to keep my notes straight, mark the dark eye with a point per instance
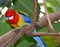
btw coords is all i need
(10, 15)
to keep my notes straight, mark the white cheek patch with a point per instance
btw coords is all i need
(11, 17)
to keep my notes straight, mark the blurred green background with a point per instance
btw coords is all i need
(28, 7)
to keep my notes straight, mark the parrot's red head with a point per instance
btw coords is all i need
(10, 13)
(12, 16)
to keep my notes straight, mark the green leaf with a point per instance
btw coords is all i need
(50, 40)
(55, 4)
(4, 28)
(50, 10)
(25, 41)
(25, 5)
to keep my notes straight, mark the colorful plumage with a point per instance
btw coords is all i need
(18, 19)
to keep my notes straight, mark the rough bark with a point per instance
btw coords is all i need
(53, 17)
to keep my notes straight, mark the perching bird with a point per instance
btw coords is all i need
(18, 19)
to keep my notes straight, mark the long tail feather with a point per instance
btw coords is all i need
(39, 40)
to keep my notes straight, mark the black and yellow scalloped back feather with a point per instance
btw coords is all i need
(22, 12)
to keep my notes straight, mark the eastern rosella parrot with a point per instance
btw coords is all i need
(18, 19)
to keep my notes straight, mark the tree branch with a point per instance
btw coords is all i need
(12, 36)
(53, 17)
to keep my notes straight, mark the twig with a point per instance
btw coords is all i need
(30, 30)
(48, 19)
(51, 29)
(42, 12)
(45, 34)
(35, 14)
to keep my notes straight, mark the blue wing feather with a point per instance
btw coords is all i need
(36, 38)
(26, 19)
